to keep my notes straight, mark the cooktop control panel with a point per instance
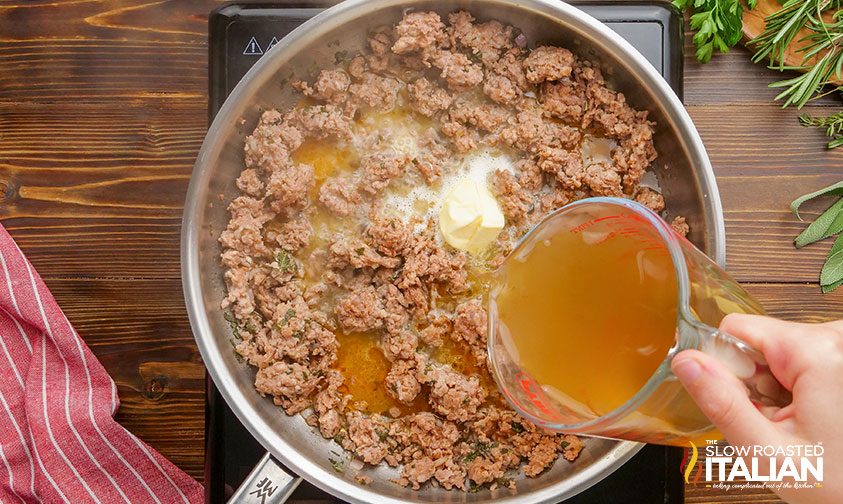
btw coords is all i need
(241, 34)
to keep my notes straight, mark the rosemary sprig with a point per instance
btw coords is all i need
(833, 125)
(822, 52)
(781, 28)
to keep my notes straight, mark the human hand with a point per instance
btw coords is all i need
(807, 359)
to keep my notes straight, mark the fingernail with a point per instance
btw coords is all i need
(688, 369)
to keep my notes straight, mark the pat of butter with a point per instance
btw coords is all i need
(470, 218)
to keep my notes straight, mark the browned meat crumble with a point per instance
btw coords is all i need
(312, 257)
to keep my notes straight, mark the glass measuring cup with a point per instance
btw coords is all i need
(660, 411)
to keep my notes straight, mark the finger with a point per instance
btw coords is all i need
(723, 399)
(836, 325)
(758, 330)
(782, 343)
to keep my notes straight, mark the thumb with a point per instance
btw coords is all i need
(723, 398)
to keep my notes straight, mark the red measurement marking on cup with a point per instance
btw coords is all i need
(622, 227)
(587, 224)
(536, 396)
(619, 227)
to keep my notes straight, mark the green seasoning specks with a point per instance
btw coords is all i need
(232, 323)
(285, 261)
(337, 465)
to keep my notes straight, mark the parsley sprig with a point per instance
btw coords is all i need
(717, 24)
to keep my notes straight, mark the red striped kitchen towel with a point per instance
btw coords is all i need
(59, 441)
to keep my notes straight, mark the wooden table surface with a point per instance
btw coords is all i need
(103, 106)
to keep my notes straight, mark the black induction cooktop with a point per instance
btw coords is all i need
(239, 34)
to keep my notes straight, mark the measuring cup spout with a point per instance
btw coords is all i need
(745, 362)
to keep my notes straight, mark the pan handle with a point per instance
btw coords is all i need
(268, 483)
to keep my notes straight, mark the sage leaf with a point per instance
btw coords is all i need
(827, 224)
(832, 271)
(828, 288)
(834, 189)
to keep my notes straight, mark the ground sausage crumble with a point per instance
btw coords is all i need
(313, 254)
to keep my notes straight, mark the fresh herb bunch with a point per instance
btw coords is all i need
(828, 224)
(718, 24)
(833, 125)
(822, 52)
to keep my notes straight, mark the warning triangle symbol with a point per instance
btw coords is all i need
(272, 43)
(253, 48)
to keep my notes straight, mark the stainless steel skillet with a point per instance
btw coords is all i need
(683, 170)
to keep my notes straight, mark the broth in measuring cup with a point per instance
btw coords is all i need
(588, 311)
(592, 324)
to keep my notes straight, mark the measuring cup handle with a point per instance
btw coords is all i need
(749, 365)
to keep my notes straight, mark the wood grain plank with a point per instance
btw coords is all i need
(139, 331)
(70, 71)
(798, 302)
(97, 190)
(108, 51)
(763, 141)
(733, 78)
(758, 176)
(104, 19)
